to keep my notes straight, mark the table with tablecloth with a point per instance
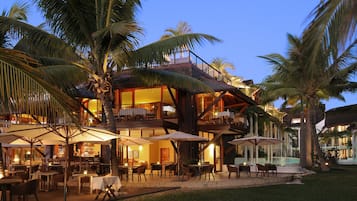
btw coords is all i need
(107, 184)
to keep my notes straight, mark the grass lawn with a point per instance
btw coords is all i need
(340, 184)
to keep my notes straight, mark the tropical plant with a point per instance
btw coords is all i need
(104, 34)
(18, 12)
(221, 65)
(181, 29)
(333, 26)
(298, 78)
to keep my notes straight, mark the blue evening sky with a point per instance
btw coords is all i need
(247, 29)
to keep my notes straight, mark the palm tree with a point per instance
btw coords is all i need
(297, 77)
(221, 65)
(18, 12)
(181, 29)
(333, 25)
(105, 33)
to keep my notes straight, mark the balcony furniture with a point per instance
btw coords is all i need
(132, 113)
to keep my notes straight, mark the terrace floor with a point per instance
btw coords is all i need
(155, 184)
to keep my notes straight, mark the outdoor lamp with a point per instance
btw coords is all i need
(85, 172)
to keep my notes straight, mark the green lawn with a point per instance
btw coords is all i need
(340, 184)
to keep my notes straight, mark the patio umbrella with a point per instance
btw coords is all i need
(179, 137)
(10, 140)
(128, 141)
(255, 141)
(61, 134)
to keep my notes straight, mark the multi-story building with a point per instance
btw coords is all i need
(219, 116)
(143, 111)
(339, 139)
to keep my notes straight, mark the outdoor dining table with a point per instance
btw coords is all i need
(107, 184)
(5, 184)
(80, 176)
(48, 178)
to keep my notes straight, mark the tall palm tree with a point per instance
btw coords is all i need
(104, 32)
(297, 77)
(17, 11)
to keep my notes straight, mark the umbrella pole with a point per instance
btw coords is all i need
(31, 152)
(65, 170)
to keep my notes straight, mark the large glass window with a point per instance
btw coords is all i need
(126, 99)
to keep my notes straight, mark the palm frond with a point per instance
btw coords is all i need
(154, 77)
(154, 52)
(24, 90)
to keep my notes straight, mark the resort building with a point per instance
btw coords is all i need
(339, 138)
(143, 111)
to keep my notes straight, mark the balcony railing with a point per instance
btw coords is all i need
(187, 56)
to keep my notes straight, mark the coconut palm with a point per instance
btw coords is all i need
(297, 77)
(105, 34)
(17, 11)
(333, 25)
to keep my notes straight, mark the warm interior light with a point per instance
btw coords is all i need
(85, 172)
(140, 148)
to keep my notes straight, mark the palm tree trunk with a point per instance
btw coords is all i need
(315, 139)
(108, 109)
(308, 137)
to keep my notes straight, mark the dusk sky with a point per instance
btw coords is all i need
(248, 29)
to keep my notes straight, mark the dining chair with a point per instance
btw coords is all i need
(85, 180)
(156, 167)
(140, 170)
(170, 168)
(232, 169)
(123, 171)
(23, 190)
(261, 169)
(209, 169)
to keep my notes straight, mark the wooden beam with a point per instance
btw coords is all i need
(211, 105)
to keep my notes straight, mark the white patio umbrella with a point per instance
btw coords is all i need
(128, 141)
(60, 134)
(179, 137)
(255, 141)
